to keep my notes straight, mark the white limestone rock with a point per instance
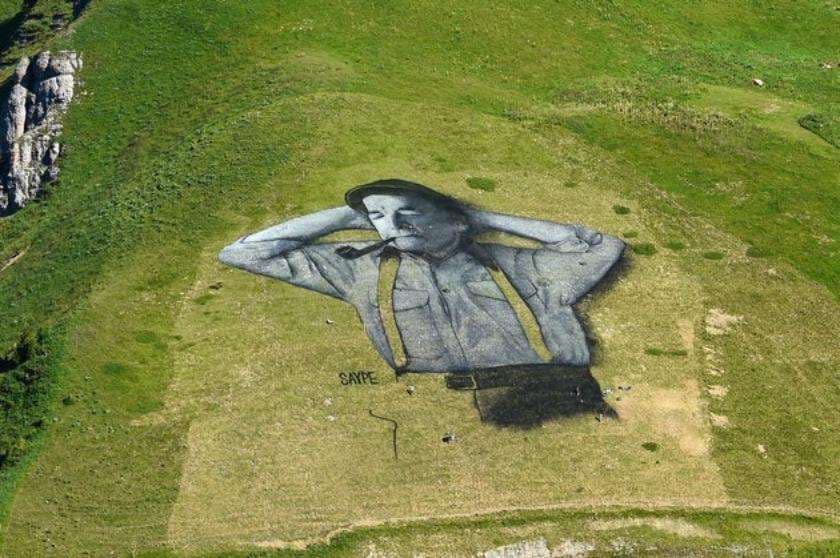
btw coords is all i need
(30, 123)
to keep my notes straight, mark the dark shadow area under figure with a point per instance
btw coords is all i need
(526, 396)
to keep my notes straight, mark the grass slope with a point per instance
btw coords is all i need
(201, 123)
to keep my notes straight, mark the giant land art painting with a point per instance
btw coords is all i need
(450, 314)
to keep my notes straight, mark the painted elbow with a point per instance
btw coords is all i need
(612, 245)
(230, 255)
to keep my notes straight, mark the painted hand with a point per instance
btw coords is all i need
(589, 236)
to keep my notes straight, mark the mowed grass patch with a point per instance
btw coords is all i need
(328, 424)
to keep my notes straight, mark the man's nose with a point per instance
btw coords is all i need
(389, 225)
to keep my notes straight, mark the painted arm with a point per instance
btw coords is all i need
(251, 252)
(545, 232)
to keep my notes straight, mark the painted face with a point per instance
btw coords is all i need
(419, 225)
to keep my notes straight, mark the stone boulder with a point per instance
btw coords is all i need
(30, 123)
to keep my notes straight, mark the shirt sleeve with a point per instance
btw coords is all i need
(318, 268)
(558, 273)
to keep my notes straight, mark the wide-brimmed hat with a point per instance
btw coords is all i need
(396, 186)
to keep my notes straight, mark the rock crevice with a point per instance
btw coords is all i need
(30, 124)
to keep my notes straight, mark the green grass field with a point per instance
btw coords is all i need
(179, 407)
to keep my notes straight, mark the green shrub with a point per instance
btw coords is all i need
(630, 234)
(712, 255)
(621, 210)
(651, 446)
(824, 125)
(675, 245)
(24, 388)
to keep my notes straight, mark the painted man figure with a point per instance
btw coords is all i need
(451, 315)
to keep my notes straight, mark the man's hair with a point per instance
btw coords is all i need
(399, 187)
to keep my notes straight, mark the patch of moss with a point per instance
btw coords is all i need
(630, 234)
(147, 337)
(483, 184)
(203, 299)
(755, 252)
(114, 368)
(713, 255)
(675, 245)
(644, 249)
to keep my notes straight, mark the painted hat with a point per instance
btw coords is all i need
(395, 186)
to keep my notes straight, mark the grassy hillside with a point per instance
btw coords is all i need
(151, 425)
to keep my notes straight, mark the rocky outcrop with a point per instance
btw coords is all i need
(30, 123)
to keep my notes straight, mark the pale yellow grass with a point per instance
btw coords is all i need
(672, 526)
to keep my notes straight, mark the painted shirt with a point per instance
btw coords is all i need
(451, 314)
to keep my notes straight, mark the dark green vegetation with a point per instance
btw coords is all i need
(655, 351)
(478, 183)
(24, 389)
(825, 126)
(643, 248)
(165, 148)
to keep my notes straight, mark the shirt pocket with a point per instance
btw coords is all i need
(486, 289)
(525, 288)
(409, 299)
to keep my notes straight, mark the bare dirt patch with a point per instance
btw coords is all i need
(719, 322)
(721, 421)
(718, 391)
(686, 329)
(537, 548)
(572, 549)
(675, 414)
